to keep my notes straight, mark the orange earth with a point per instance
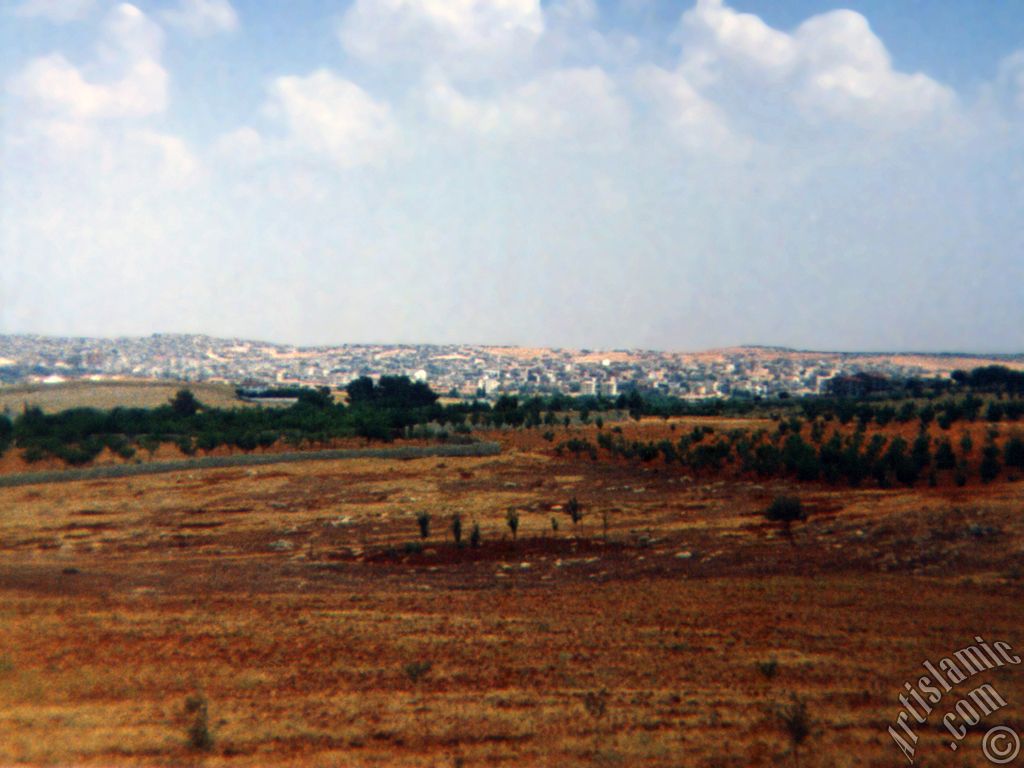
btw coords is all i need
(670, 627)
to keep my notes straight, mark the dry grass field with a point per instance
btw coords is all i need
(290, 604)
(109, 394)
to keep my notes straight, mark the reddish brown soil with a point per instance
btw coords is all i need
(286, 597)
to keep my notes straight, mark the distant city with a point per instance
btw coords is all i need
(463, 370)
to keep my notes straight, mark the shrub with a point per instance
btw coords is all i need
(797, 724)
(768, 668)
(786, 510)
(575, 510)
(596, 703)
(199, 736)
(457, 529)
(416, 670)
(423, 521)
(512, 518)
(474, 536)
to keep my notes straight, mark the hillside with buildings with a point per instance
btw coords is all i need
(464, 370)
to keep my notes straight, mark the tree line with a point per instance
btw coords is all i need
(395, 406)
(854, 458)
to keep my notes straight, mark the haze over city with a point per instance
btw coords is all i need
(640, 174)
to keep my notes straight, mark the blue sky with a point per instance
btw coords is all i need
(569, 173)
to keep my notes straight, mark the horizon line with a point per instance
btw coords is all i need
(555, 348)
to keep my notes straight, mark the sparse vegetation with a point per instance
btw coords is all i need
(796, 722)
(417, 670)
(457, 529)
(596, 703)
(544, 643)
(786, 510)
(512, 519)
(574, 510)
(768, 668)
(199, 736)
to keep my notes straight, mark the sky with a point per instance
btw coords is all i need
(572, 173)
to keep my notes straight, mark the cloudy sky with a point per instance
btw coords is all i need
(671, 175)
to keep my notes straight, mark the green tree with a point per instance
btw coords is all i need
(1013, 453)
(184, 403)
(989, 468)
(944, 456)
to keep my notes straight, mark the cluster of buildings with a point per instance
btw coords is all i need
(463, 370)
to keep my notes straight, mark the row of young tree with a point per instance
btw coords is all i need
(555, 411)
(854, 459)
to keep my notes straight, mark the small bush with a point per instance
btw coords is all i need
(785, 509)
(596, 703)
(416, 670)
(457, 529)
(575, 510)
(512, 518)
(797, 723)
(199, 736)
(413, 548)
(768, 668)
(474, 536)
(423, 521)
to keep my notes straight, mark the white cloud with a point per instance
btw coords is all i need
(327, 115)
(57, 11)
(241, 146)
(832, 67)
(462, 36)
(714, 35)
(84, 153)
(1010, 81)
(168, 156)
(131, 47)
(202, 17)
(847, 73)
(696, 122)
(92, 122)
(580, 104)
